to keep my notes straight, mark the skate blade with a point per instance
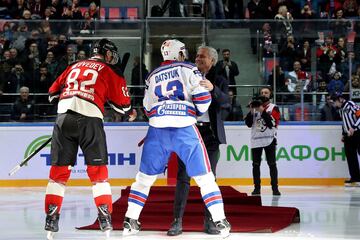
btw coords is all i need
(225, 233)
(50, 235)
(107, 233)
(128, 232)
(350, 185)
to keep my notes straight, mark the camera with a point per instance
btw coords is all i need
(257, 101)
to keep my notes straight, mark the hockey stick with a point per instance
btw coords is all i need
(17, 167)
(124, 61)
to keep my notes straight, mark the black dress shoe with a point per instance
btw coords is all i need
(210, 227)
(276, 192)
(176, 227)
(256, 192)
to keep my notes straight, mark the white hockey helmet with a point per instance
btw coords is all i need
(171, 48)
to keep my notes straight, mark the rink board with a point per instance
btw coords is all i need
(306, 155)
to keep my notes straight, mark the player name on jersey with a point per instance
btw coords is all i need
(78, 93)
(93, 65)
(167, 75)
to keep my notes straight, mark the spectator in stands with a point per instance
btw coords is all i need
(14, 57)
(258, 9)
(235, 9)
(354, 64)
(297, 79)
(45, 29)
(76, 10)
(326, 57)
(288, 53)
(82, 45)
(65, 61)
(4, 44)
(42, 79)
(340, 25)
(26, 15)
(17, 10)
(56, 8)
(87, 26)
(216, 9)
(16, 79)
(228, 69)
(307, 27)
(53, 46)
(280, 84)
(32, 60)
(5, 70)
(23, 108)
(51, 63)
(37, 8)
(138, 76)
(81, 55)
(355, 83)
(94, 11)
(342, 51)
(232, 110)
(68, 25)
(7, 31)
(283, 24)
(350, 8)
(303, 55)
(48, 14)
(20, 36)
(336, 84)
(267, 41)
(328, 112)
(321, 88)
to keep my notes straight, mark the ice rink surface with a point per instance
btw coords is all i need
(326, 213)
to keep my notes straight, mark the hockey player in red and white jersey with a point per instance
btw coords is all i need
(173, 99)
(82, 90)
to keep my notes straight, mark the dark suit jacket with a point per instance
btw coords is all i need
(220, 96)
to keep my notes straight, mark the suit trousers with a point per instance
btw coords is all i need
(352, 148)
(183, 180)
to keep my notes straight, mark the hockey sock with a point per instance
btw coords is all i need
(102, 195)
(54, 195)
(101, 188)
(138, 194)
(211, 195)
(55, 189)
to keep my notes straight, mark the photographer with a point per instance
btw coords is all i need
(263, 119)
(16, 79)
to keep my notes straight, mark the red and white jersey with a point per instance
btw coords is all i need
(261, 134)
(85, 86)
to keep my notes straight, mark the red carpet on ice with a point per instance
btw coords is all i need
(245, 213)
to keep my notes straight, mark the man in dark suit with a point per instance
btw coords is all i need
(211, 128)
(228, 69)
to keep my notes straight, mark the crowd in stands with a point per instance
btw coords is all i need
(35, 46)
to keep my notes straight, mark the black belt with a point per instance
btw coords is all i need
(202, 124)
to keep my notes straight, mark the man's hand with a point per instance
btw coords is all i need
(23, 116)
(133, 115)
(207, 85)
(351, 132)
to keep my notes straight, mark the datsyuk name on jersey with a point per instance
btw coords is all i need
(167, 75)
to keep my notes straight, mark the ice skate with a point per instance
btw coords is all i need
(131, 226)
(104, 218)
(52, 222)
(224, 227)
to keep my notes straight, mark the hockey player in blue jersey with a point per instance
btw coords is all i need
(173, 99)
